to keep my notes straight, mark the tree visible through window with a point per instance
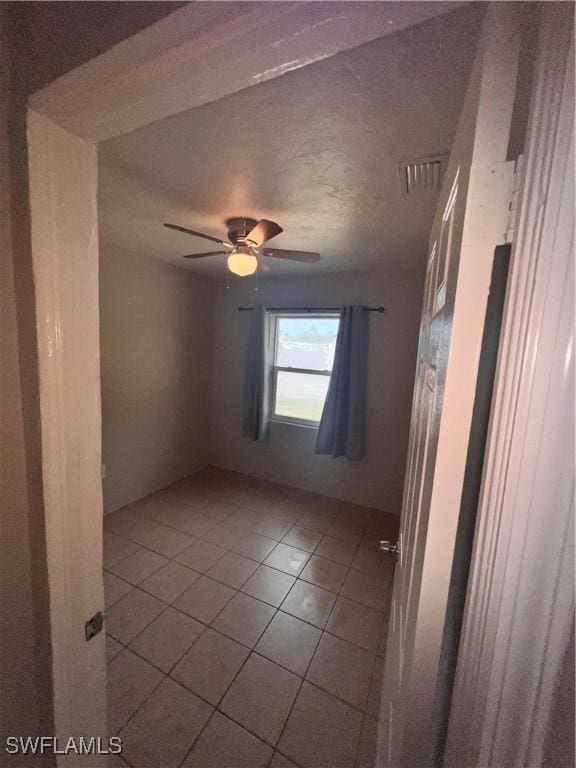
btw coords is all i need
(304, 348)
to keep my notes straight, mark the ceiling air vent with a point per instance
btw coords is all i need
(417, 177)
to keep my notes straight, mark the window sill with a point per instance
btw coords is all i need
(293, 423)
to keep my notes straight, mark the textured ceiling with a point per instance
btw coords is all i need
(315, 150)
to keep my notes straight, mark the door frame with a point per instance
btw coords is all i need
(197, 54)
(476, 191)
(520, 601)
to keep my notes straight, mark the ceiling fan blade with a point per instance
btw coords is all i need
(201, 255)
(263, 231)
(305, 256)
(197, 234)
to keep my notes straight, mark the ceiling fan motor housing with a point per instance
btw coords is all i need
(239, 228)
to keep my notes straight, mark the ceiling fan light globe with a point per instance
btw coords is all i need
(242, 264)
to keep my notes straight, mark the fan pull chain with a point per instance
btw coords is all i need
(256, 274)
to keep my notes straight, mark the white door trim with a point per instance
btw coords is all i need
(520, 602)
(63, 180)
(205, 51)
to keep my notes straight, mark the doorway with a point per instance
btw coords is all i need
(69, 374)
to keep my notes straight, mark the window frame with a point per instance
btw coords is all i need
(274, 317)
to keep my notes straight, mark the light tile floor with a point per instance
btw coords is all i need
(246, 626)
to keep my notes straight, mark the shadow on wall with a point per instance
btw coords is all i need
(155, 339)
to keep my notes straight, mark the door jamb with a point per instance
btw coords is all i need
(520, 601)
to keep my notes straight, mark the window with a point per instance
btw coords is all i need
(304, 346)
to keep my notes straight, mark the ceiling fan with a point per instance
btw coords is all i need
(245, 240)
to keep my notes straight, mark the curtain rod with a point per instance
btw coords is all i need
(309, 309)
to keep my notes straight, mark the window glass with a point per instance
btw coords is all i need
(300, 395)
(306, 342)
(303, 360)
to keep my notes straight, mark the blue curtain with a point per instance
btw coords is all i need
(256, 384)
(343, 423)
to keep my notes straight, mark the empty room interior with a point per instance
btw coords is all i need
(246, 597)
(291, 375)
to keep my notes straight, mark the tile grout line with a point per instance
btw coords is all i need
(277, 608)
(251, 650)
(216, 707)
(238, 590)
(297, 578)
(167, 675)
(148, 547)
(249, 530)
(298, 691)
(337, 595)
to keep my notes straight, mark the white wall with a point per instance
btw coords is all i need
(288, 454)
(173, 354)
(155, 335)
